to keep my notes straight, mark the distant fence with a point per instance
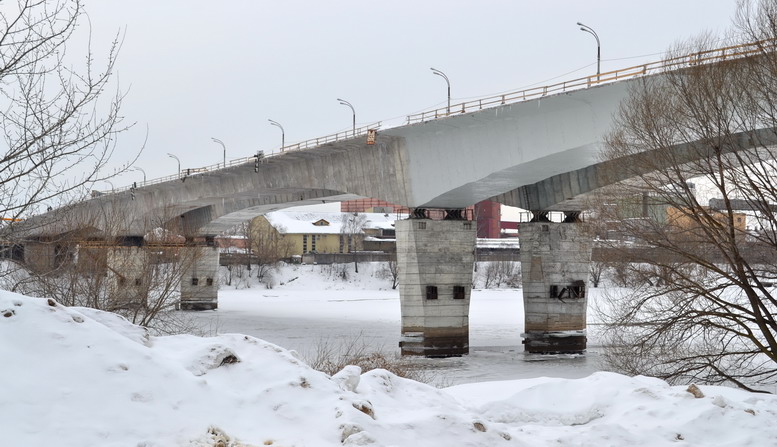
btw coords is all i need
(312, 258)
(483, 254)
(493, 255)
(343, 258)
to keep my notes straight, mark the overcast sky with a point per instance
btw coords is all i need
(194, 69)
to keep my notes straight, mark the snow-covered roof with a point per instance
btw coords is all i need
(499, 243)
(299, 222)
(379, 239)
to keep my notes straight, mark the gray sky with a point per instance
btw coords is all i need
(199, 69)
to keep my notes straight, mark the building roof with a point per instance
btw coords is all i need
(506, 243)
(298, 222)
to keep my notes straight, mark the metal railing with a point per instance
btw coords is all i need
(698, 58)
(701, 57)
(340, 136)
(190, 172)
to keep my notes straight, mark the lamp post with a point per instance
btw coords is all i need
(346, 103)
(589, 30)
(353, 111)
(178, 160)
(144, 173)
(283, 134)
(447, 81)
(224, 147)
(108, 182)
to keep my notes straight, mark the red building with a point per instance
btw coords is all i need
(489, 215)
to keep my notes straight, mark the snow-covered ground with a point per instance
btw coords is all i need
(80, 377)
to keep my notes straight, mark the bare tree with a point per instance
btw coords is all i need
(137, 277)
(498, 273)
(238, 257)
(267, 248)
(392, 267)
(350, 233)
(597, 272)
(391, 271)
(54, 119)
(701, 305)
(141, 284)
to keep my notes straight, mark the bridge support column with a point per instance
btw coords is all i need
(435, 260)
(555, 262)
(199, 281)
(46, 256)
(127, 277)
(39, 256)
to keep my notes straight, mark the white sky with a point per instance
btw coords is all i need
(200, 69)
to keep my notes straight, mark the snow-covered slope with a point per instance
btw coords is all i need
(79, 377)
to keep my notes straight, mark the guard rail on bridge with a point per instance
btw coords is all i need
(308, 144)
(697, 58)
(702, 57)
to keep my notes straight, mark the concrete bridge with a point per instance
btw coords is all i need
(535, 149)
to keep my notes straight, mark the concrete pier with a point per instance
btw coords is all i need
(46, 256)
(127, 277)
(555, 262)
(39, 257)
(435, 260)
(199, 281)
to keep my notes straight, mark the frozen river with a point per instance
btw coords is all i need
(300, 318)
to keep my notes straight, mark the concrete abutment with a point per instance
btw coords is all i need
(199, 280)
(435, 260)
(131, 276)
(555, 265)
(128, 276)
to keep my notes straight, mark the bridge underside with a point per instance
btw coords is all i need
(224, 214)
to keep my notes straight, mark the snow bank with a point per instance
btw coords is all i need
(80, 377)
(612, 409)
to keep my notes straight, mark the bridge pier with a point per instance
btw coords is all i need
(435, 260)
(45, 256)
(39, 256)
(199, 281)
(555, 262)
(127, 276)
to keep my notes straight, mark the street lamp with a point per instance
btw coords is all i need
(176, 159)
(224, 147)
(283, 134)
(346, 103)
(439, 73)
(589, 30)
(144, 173)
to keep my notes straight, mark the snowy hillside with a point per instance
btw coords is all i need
(79, 377)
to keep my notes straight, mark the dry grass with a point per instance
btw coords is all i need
(330, 357)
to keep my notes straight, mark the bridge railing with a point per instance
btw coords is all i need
(340, 136)
(701, 57)
(308, 144)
